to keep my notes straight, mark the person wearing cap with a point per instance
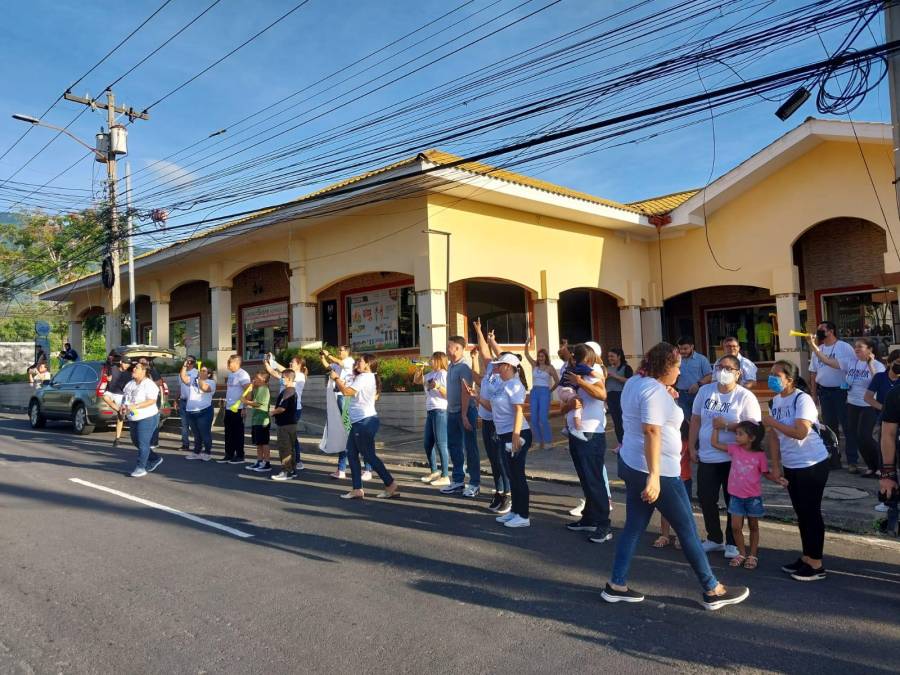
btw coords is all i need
(118, 375)
(187, 378)
(507, 404)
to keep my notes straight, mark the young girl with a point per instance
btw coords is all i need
(258, 401)
(435, 385)
(748, 463)
(686, 477)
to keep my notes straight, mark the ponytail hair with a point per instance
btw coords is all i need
(372, 362)
(755, 431)
(519, 369)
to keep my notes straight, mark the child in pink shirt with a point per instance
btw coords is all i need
(748, 464)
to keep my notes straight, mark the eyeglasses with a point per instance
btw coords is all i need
(728, 369)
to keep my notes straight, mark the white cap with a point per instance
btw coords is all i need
(597, 350)
(508, 359)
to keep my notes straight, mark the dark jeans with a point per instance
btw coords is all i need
(861, 422)
(712, 478)
(493, 450)
(834, 414)
(588, 457)
(674, 505)
(342, 455)
(614, 403)
(806, 486)
(436, 438)
(201, 424)
(361, 441)
(515, 468)
(297, 438)
(234, 434)
(459, 439)
(185, 424)
(141, 435)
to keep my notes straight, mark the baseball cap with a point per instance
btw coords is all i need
(508, 359)
(597, 350)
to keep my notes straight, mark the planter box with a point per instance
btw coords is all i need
(15, 395)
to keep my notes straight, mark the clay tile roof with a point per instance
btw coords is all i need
(658, 206)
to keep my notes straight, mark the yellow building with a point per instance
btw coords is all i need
(796, 233)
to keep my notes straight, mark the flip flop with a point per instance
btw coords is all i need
(661, 542)
(751, 562)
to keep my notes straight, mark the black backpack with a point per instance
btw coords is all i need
(826, 433)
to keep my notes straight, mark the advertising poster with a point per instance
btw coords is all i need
(373, 320)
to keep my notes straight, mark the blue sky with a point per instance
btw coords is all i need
(48, 43)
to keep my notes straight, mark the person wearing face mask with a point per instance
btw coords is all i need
(876, 395)
(861, 416)
(725, 399)
(828, 382)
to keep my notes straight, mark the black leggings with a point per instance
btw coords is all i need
(806, 486)
(712, 478)
(861, 422)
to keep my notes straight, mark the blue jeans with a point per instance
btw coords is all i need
(361, 441)
(201, 424)
(540, 414)
(493, 450)
(834, 414)
(436, 437)
(185, 424)
(141, 434)
(674, 505)
(588, 457)
(457, 436)
(297, 438)
(342, 455)
(515, 468)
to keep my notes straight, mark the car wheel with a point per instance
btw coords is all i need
(35, 416)
(80, 421)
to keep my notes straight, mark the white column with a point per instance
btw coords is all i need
(220, 306)
(787, 308)
(632, 339)
(113, 330)
(159, 320)
(651, 326)
(75, 338)
(304, 329)
(431, 310)
(546, 325)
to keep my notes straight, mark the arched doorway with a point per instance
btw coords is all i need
(589, 314)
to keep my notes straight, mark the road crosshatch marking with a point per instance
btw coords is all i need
(163, 507)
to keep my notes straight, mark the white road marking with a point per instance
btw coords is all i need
(163, 507)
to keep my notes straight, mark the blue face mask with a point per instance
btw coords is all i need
(775, 384)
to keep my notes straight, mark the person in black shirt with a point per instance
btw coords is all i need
(68, 354)
(285, 415)
(889, 492)
(118, 374)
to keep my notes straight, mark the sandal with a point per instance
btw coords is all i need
(751, 563)
(737, 561)
(661, 542)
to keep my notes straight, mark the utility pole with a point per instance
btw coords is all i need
(891, 33)
(115, 145)
(129, 224)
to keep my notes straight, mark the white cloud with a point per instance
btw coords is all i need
(170, 173)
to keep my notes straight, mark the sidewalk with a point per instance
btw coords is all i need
(848, 504)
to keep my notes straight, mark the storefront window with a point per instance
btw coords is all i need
(382, 319)
(184, 335)
(870, 314)
(756, 328)
(502, 308)
(265, 329)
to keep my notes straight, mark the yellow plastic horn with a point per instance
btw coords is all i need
(798, 333)
(234, 407)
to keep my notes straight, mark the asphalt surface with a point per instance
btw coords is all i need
(91, 581)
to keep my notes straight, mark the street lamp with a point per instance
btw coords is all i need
(102, 157)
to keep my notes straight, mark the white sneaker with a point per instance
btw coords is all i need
(206, 457)
(710, 546)
(193, 455)
(574, 433)
(471, 491)
(518, 521)
(881, 507)
(299, 466)
(731, 551)
(453, 488)
(138, 473)
(337, 475)
(578, 510)
(367, 475)
(504, 518)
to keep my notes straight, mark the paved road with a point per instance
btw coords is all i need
(93, 582)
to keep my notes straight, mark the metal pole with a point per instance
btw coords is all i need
(113, 333)
(892, 32)
(129, 224)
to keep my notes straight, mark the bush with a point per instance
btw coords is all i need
(396, 371)
(10, 379)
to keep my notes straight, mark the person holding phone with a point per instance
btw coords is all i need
(199, 411)
(188, 377)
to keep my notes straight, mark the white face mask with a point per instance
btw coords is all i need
(725, 377)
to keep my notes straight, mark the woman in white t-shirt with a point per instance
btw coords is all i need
(797, 446)
(199, 410)
(861, 417)
(650, 465)
(545, 379)
(140, 410)
(365, 389)
(725, 398)
(435, 385)
(507, 405)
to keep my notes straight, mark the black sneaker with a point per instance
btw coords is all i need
(224, 460)
(505, 505)
(236, 461)
(612, 595)
(732, 596)
(790, 568)
(253, 467)
(495, 502)
(601, 534)
(807, 573)
(152, 466)
(580, 526)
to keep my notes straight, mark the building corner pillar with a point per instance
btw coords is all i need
(159, 321)
(651, 326)
(220, 319)
(431, 309)
(632, 333)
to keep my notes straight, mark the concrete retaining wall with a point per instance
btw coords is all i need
(15, 395)
(15, 357)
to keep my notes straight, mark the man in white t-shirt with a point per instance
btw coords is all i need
(828, 367)
(237, 382)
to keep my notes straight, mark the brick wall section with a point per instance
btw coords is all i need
(193, 298)
(839, 253)
(607, 326)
